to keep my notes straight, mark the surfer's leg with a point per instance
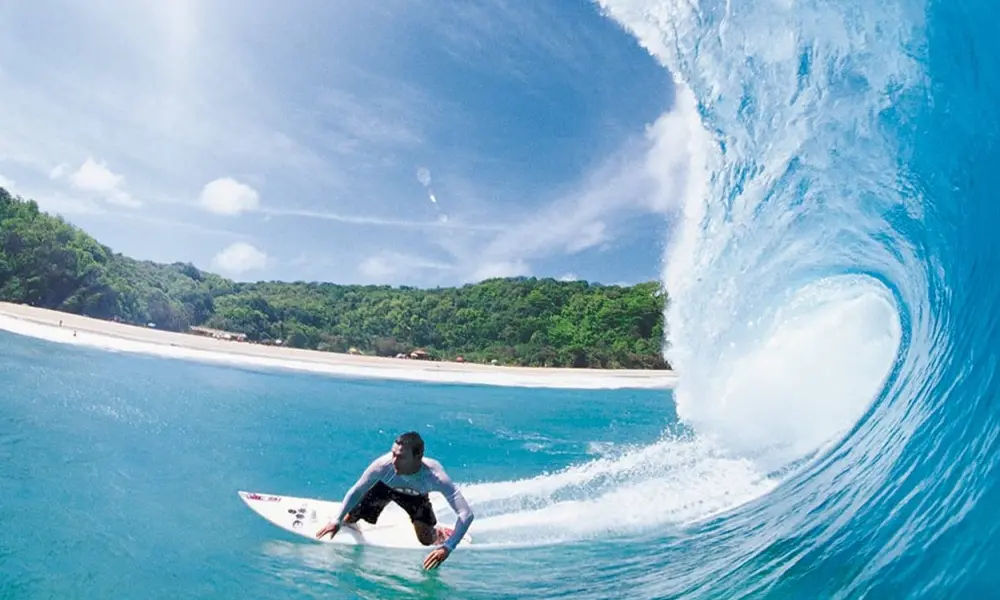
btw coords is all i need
(426, 534)
(371, 505)
(421, 515)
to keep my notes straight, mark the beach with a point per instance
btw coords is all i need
(68, 328)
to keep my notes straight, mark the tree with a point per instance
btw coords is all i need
(47, 262)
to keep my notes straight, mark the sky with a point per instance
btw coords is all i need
(418, 143)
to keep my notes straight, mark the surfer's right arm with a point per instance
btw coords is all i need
(370, 477)
(456, 500)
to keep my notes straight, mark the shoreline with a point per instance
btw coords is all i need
(108, 335)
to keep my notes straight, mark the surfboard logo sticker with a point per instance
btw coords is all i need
(256, 496)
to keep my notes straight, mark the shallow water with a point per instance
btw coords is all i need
(121, 473)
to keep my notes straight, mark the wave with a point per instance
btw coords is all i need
(828, 303)
(830, 310)
(789, 291)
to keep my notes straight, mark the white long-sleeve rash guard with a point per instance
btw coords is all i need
(430, 478)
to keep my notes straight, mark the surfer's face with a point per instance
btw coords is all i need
(403, 460)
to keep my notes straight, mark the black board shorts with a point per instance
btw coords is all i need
(380, 495)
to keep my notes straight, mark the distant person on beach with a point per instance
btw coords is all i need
(406, 477)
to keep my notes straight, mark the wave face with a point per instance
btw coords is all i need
(832, 302)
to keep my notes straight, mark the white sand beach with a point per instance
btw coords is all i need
(67, 328)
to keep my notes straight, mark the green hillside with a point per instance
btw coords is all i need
(49, 263)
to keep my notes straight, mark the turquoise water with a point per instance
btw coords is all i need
(834, 433)
(121, 474)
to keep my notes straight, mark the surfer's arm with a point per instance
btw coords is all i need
(354, 495)
(458, 503)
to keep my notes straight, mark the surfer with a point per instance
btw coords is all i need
(406, 477)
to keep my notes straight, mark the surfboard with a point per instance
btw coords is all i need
(306, 516)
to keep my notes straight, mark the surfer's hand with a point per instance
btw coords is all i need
(436, 557)
(331, 528)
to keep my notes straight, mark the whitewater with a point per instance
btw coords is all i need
(833, 433)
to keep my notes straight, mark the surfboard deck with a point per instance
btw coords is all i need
(306, 516)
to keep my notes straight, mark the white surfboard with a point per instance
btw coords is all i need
(306, 516)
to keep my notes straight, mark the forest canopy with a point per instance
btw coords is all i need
(50, 263)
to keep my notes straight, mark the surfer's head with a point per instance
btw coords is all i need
(407, 453)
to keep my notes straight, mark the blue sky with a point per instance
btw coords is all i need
(419, 143)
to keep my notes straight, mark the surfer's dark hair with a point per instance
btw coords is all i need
(412, 439)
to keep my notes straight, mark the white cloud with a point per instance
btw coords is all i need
(226, 196)
(7, 184)
(569, 277)
(239, 258)
(95, 176)
(96, 180)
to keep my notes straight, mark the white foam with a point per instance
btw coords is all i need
(412, 371)
(671, 482)
(808, 376)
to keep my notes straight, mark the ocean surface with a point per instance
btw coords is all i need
(833, 321)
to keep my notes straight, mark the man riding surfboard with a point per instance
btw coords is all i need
(406, 477)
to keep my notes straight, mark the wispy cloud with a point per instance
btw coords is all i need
(380, 119)
(513, 36)
(647, 176)
(579, 220)
(377, 221)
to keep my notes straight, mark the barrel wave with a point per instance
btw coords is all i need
(831, 292)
